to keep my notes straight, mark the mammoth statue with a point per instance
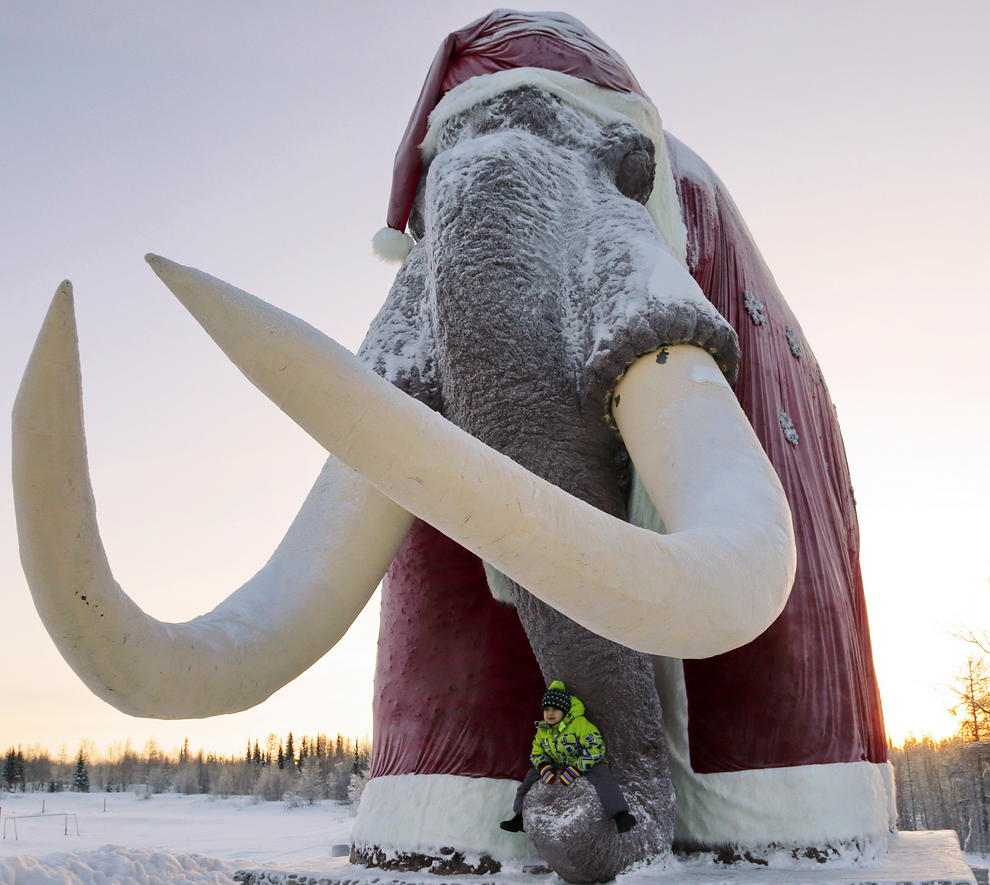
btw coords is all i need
(585, 439)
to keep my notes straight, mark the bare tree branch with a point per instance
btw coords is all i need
(980, 639)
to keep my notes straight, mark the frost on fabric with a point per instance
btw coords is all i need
(754, 307)
(788, 428)
(793, 342)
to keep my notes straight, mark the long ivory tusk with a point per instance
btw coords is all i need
(716, 582)
(278, 624)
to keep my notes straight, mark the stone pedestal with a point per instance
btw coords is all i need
(925, 858)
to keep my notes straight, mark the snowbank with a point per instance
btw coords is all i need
(171, 838)
(113, 864)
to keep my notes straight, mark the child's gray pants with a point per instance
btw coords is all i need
(601, 779)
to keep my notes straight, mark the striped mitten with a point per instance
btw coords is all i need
(547, 774)
(569, 775)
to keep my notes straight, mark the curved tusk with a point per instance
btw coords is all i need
(729, 531)
(713, 584)
(321, 575)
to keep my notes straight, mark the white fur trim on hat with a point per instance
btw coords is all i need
(604, 104)
(393, 245)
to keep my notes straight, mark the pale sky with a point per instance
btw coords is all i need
(255, 141)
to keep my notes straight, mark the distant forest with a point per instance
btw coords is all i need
(942, 785)
(301, 770)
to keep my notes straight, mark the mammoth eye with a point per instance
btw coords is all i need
(634, 177)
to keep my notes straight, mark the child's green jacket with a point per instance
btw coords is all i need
(572, 741)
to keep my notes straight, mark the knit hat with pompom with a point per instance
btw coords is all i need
(556, 696)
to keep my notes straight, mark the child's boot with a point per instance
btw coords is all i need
(514, 824)
(624, 821)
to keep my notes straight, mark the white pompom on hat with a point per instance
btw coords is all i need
(391, 244)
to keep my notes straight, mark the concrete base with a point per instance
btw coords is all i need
(925, 858)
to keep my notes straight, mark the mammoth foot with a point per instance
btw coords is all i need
(570, 830)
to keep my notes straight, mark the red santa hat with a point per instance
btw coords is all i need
(501, 51)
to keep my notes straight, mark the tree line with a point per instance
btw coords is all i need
(303, 770)
(942, 785)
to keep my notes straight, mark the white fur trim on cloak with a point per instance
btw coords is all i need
(800, 805)
(606, 105)
(423, 813)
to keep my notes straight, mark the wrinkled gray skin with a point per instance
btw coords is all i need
(520, 222)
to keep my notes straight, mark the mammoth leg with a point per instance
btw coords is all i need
(617, 686)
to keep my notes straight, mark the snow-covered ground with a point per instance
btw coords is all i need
(169, 838)
(197, 840)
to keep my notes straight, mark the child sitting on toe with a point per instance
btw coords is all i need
(568, 746)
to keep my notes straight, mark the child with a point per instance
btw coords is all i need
(566, 746)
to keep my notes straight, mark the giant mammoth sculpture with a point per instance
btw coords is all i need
(539, 448)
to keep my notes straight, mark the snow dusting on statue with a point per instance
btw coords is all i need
(577, 293)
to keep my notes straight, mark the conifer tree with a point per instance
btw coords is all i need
(290, 752)
(80, 781)
(202, 773)
(10, 770)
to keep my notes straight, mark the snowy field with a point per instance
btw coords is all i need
(197, 840)
(169, 838)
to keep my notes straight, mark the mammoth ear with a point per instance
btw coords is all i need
(630, 157)
(634, 177)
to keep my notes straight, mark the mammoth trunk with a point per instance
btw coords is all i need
(507, 377)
